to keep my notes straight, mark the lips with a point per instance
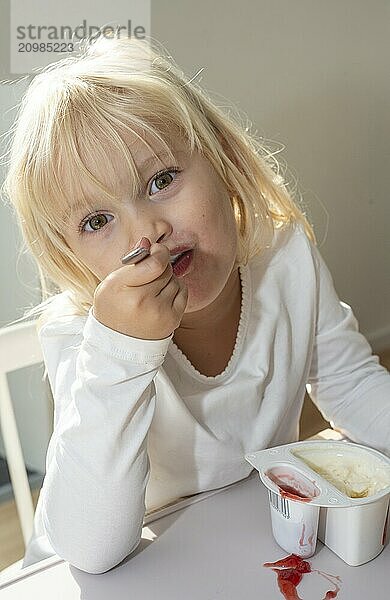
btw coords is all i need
(174, 257)
(183, 263)
(177, 252)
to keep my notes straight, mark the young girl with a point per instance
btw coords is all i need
(167, 372)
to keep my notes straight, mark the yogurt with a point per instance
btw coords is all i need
(357, 474)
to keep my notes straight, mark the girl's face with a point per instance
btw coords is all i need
(187, 207)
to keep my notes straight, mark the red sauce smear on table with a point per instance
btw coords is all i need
(290, 571)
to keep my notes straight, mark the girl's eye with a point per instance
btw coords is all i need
(96, 222)
(163, 179)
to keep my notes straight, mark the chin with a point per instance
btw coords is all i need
(198, 301)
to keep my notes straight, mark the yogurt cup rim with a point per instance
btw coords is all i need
(318, 480)
(341, 444)
(270, 484)
(351, 446)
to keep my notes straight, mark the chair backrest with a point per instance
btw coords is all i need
(19, 347)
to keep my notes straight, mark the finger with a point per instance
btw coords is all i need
(175, 295)
(170, 286)
(147, 270)
(180, 299)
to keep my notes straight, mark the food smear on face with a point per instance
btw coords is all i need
(357, 474)
(290, 571)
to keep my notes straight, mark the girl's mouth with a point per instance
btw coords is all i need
(181, 262)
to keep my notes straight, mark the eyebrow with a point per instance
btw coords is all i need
(151, 160)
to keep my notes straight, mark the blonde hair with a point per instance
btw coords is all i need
(92, 100)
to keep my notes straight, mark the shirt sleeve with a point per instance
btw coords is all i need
(97, 467)
(346, 381)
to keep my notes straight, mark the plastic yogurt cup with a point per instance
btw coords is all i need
(294, 518)
(337, 491)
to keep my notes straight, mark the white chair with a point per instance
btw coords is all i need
(19, 347)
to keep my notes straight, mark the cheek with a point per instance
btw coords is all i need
(218, 226)
(217, 236)
(99, 263)
(99, 269)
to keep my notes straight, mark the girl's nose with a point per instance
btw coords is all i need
(156, 232)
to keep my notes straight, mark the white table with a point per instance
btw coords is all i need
(210, 550)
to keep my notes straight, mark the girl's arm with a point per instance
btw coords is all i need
(346, 381)
(97, 465)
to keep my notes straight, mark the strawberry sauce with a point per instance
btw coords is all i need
(291, 488)
(290, 571)
(287, 491)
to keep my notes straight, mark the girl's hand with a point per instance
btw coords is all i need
(145, 300)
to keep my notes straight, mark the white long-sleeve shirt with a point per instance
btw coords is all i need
(136, 425)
